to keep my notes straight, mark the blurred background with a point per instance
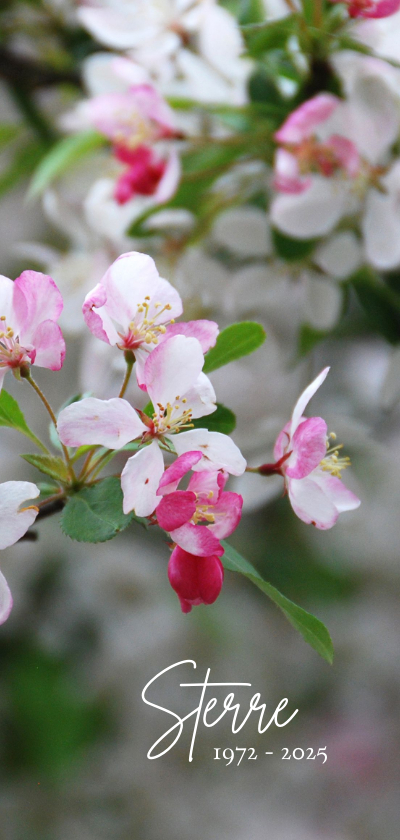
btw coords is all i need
(92, 624)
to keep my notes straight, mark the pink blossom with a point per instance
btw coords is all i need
(370, 8)
(196, 580)
(14, 522)
(130, 118)
(302, 153)
(143, 174)
(29, 334)
(197, 518)
(134, 308)
(310, 467)
(180, 391)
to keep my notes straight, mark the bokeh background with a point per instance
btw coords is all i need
(92, 624)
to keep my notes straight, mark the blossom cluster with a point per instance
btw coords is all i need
(134, 310)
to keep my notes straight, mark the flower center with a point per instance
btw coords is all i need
(202, 512)
(172, 418)
(131, 129)
(332, 463)
(144, 330)
(11, 352)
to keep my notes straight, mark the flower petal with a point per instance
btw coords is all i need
(219, 451)
(36, 298)
(111, 423)
(201, 397)
(173, 474)
(132, 278)
(305, 119)
(227, 511)
(305, 398)
(172, 368)
(175, 509)
(196, 580)
(311, 504)
(308, 446)
(140, 479)
(313, 212)
(6, 600)
(206, 332)
(15, 522)
(49, 344)
(208, 486)
(340, 495)
(96, 316)
(196, 539)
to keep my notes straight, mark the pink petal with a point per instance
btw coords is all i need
(196, 580)
(169, 181)
(308, 447)
(227, 511)
(175, 509)
(96, 316)
(305, 119)
(172, 368)
(201, 397)
(173, 474)
(6, 297)
(219, 451)
(6, 601)
(208, 486)
(131, 278)
(140, 479)
(15, 522)
(305, 398)
(381, 9)
(336, 491)
(49, 345)
(206, 332)
(196, 539)
(311, 504)
(36, 298)
(111, 423)
(282, 442)
(287, 176)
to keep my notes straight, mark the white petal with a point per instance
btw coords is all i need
(131, 278)
(322, 303)
(111, 423)
(201, 398)
(244, 230)
(140, 479)
(381, 229)
(13, 522)
(340, 256)
(313, 212)
(173, 368)
(305, 398)
(310, 503)
(219, 451)
(6, 600)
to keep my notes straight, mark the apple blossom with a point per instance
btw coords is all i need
(29, 334)
(370, 8)
(302, 152)
(198, 517)
(179, 392)
(310, 467)
(134, 308)
(196, 580)
(14, 522)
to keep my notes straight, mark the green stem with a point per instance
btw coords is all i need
(50, 411)
(130, 361)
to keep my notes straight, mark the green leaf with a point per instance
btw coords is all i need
(222, 420)
(290, 249)
(272, 35)
(380, 303)
(49, 465)
(8, 132)
(312, 629)
(11, 416)
(25, 158)
(95, 514)
(235, 341)
(61, 157)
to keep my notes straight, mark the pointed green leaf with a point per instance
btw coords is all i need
(49, 465)
(235, 341)
(312, 629)
(95, 514)
(61, 157)
(11, 416)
